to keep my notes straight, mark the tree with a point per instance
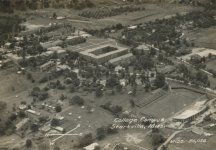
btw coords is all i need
(57, 148)
(111, 82)
(98, 92)
(29, 76)
(13, 117)
(119, 26)
(43, 119)
(21, 114)
(55, 122)
(72, 89)
(35, 91)
(134, 90)
(101, 133)
(202, 77)
(34, 127)
(145, 62)
(111, 130)
(58, 108)
(89, 3)
(160, 80)
(160, 57)
(210, 55)
(119, 88)
(132, 103)
(157, 138)
(76, 100)
(54, 15)
(115, 109)
(85, 140)
(46, 3)
(153, 51)
(28, 143)
(3, 106)
(183, 69)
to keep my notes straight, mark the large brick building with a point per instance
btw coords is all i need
(104, 53)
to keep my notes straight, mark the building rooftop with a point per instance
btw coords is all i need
(51, 44)
(89, 51)
(21, 123)
(91, 146)
(114, 60)
(72, 37)
(54, 48)
(143, 47)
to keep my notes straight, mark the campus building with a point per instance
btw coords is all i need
(104, 53)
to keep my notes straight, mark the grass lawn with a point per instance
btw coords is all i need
(175, 101)
(211, 65)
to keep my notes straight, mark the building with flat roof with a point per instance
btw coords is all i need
(49, 44)
(91, 146)
(123, 58)
(103, 53)
(22, 123)
(192, 112)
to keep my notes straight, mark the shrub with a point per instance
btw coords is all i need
(58, 108)
(55, 122)
(101, 133)
(28, 143)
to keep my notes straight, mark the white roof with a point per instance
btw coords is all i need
(132, 27)
(60, 17)
(45, 128)
(54, 48)
(51, 43)
(91, 146)
(72, 37)
(59, 117)
(85, 35)
(22, 107)
(21, 123)
(196, 108)
(47, 64)
(33, 112)
(143, 47)
(7, 44)
(59, 129)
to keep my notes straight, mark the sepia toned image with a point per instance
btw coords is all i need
(107, 74)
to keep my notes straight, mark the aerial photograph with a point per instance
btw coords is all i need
(107, 74)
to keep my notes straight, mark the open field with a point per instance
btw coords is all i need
(202, 52)
(152, 12)
(203, 37)
(175, 101)
(211, 65)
